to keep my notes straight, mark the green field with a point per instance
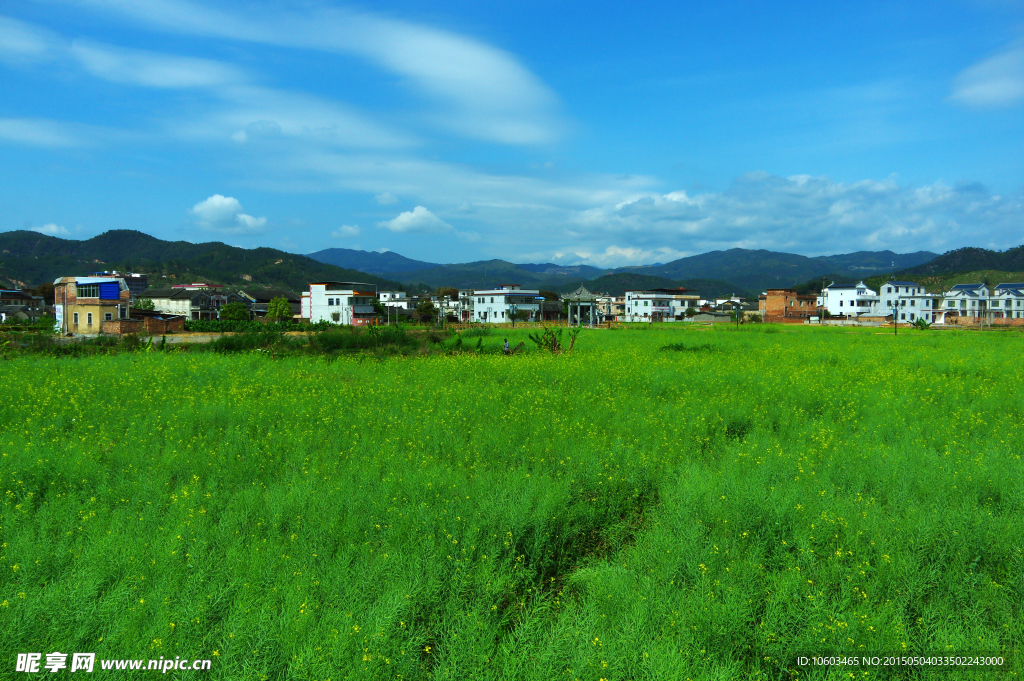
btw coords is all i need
(626, 511)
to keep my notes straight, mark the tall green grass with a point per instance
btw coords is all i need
(660, 503)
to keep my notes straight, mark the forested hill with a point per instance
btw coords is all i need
(29, 259)
(970, 260)
(756, 270)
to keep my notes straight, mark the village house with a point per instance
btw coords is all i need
(85, 304)
(137, 283)
(494, 306)
(192, 302)
(611, 307)
(787, 306)
(257, 301)
(399, 299)
(340, 302)
(911, 299)
(659, 305)
(976, 303)
(848, 300)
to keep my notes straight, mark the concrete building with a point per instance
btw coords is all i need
(787, 306)
(399, 299)
(257, 300)
(659, 305)
(340, 302)
(911, 299)
(84, 304)
(847, 300)
(192, 303)
(137, 283)
(982, 303)
(1007, 301)
(611, 307)
(493, 306)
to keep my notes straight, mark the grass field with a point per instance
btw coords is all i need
(707, 511)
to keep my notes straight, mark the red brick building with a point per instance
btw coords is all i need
(787, 306)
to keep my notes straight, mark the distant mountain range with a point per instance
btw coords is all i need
(373, 262)
(743, 269)
(29, 259)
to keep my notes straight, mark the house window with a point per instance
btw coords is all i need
(88, 290)
(912, 301)
(108, 317)
(952, 303)
(330, 301)
(89, 318)
(492, 299)
(903, 316)
(889, 289)
(76, 319)
(995, 303)
(840, 303)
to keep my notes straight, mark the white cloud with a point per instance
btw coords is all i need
(386, 199)
(22, 43)
(480, 91)
(993, 82)
(39, 132)
(248, 113)
(52, 229)
(419, 219)
(224, 214)
(152, 69)
(802, 214)
(346, 231)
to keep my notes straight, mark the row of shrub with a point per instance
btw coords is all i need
(233, 326)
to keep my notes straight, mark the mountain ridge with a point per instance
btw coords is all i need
(29, 258)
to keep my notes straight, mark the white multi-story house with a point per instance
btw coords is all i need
(967, 300)
(1003, 301)
(1008, 301)
(398, 299)
(850, 299)
(910, 298)
(659, 305)
(493, 306)
(340, 302)
(465, 304)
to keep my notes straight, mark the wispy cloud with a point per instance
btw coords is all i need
(22, 43)
(40, 133)
(479, 91)
(224, 214)
(141, 67)
(993, 82)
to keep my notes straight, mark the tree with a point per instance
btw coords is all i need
(549, 295)
(278, 309)
(144, 304)
(520, 315)
(234, 312)
(426, 310)
(449, 291)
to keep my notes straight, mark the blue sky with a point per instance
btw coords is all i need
(572, 133)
